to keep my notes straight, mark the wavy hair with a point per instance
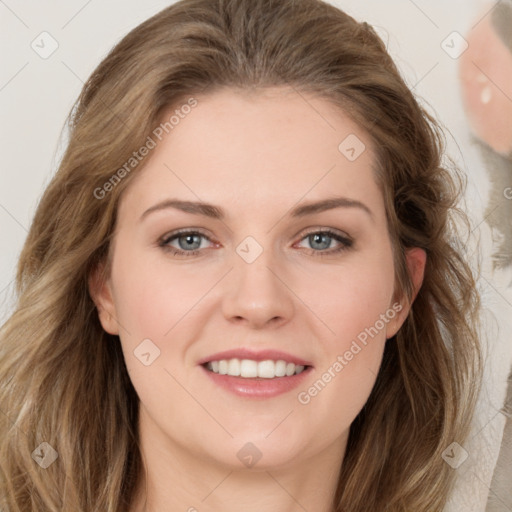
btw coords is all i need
(64, 379)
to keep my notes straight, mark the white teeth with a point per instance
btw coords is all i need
(234, 367)
(266, 369)
(223, 367)
(280, 368)
(249, 369)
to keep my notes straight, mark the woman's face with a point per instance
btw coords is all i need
(268, 273)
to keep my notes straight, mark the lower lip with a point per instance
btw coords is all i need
(257, 388)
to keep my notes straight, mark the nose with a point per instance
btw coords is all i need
(257, 294)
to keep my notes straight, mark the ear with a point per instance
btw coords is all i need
(416, 259)
(100, 289)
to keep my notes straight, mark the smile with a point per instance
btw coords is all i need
(250, 369)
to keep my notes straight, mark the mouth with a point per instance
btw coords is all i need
(252, 369)
(257, 375)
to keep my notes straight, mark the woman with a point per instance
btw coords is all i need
(181, 341)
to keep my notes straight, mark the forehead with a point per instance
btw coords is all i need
(257, 150)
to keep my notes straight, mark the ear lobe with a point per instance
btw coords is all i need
(416, 260)
(100, 289)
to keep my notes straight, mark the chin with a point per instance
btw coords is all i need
(255, 453)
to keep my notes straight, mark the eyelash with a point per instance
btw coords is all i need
(345, 241)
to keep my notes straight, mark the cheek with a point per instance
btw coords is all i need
(350, 298)
(356, 304)
(152, 296)
(351, 359)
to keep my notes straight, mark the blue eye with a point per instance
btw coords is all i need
(322, 240)
(189, 242)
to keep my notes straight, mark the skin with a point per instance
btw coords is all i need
(257, 156)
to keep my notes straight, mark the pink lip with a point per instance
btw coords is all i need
(257, 388)
(263, 355)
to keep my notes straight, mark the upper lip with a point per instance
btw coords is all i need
(260, 355)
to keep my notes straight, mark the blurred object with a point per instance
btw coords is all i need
(486, 82)
(500, 496)
(498, 211)
(486, 76)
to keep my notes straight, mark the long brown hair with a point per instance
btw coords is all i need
(64, 380)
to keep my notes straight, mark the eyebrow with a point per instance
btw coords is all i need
(216, 212)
